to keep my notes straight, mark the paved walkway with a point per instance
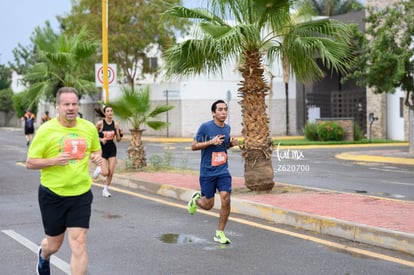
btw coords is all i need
(383, 222)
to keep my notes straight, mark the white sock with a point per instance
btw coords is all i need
(105, 187)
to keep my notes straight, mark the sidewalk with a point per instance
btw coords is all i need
(377, 221)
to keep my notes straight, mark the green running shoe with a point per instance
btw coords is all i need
(221, 238)
(192, 205)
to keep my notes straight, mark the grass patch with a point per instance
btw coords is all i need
(298, 142)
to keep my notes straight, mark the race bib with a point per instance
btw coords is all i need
(75, 147)
(218, 158)
(108, 135)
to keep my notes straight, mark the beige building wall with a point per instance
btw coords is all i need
(193, 99)
(376, 103)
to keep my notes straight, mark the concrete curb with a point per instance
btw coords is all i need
(394, 240)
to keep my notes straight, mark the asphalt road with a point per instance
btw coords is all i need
(145, 234)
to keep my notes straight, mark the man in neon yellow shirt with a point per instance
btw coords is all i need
(61, 149)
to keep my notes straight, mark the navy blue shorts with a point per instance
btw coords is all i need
(209, 185)
(59, 213)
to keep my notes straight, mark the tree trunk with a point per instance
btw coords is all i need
(136, 152)
(411, 131)
(257, 146)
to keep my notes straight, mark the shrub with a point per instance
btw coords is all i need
(311, 131)
(158, 162)
(357, 132)
(6, 101)
(330, 131)
(21, 102)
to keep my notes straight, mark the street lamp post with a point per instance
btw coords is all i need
(105, 48)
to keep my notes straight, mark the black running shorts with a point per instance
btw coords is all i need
(59, 213)
(109, 150)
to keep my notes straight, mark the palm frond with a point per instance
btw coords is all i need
(324, 39)
(200, 14)
(134, 105)
(216, 31)
(157, 125)
(193, 57)
(62, 61)
(159, 110)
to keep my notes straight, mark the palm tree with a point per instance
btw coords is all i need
(258, 29)
(62, 61)
(300, 20)
(135, 106)
(332, 7)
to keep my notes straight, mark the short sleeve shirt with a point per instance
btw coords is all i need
(214, 160)
(52, 139)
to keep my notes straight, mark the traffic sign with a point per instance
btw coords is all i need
(99, 75)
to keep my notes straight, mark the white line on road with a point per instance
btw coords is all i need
(391, 170)
(398, 183)
(59, 263)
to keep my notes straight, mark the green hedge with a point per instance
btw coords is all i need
(311, 131)
(330, 131)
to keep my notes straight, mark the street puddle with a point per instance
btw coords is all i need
(172, 238)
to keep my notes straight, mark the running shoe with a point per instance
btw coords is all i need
(106, 194)
(192, 205)
(97, 172)
(43, 266)
(221, 238)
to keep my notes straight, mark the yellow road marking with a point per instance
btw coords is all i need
(372, 158)
(277, 230)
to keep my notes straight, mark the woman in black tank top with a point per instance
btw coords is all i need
(108, 131)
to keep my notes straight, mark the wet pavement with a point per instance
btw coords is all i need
(387, 223)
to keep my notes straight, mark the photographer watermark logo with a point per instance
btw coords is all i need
(293, 156)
